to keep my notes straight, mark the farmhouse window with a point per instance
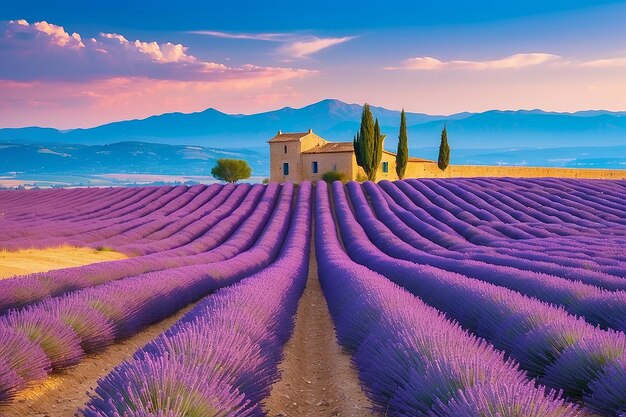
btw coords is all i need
(385, 167)
(314, 167)
(285, 168)
(285, 148)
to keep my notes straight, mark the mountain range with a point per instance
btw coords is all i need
(338, 121)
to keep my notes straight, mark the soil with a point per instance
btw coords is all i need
(62, 393)
(40, 260)
(318, 379)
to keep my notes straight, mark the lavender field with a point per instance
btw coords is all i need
(448, 298)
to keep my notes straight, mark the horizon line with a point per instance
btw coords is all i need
(312, 104)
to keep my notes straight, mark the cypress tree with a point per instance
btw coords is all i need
(357, 149)
(368, 145)
(444, 150)
(377, 152)
(402, 156)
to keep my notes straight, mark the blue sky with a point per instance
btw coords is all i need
(433, 57)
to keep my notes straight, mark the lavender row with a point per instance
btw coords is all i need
(132, 230)
(96, 207)
(565, 216)
(401, 204)
(175, 200)
(560, 228)
(563, 351)
(411, 359)
(603, 246)
(64, 328)
(408, 231)
(167, 226)
(244, 199)
(222, 244)
(71, 225)
(482, 235)
(598, 306)
(222, 357)
(52, 201)
(603, 197)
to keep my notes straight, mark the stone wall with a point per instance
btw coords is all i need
(336, 161)
(426, 170)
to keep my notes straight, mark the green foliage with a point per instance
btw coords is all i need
(444, 150)
(402, 156)
(357, 143)
(361, 177)
(231, 170)
(332, 176)
(266, 180)
(368, 143)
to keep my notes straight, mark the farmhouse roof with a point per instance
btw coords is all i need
(332, 147)
(289, 137)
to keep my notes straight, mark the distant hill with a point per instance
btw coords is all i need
(124, 157)
(336, 120)
(75, 164)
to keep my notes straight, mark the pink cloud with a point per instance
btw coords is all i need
(510, 62)
(618, 62)
(44, 51)
(51, 77)
(68, 104)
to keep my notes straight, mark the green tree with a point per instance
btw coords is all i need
(368, 143)
(332, 176)
(444, 150)
(231, 170)
(402, 156)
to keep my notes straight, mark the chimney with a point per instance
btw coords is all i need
(310, 130)
(280, 132)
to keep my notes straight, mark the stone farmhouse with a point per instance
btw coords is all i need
(297, 157)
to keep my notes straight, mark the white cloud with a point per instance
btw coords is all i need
(272, 37)
(510, 62)
(304, 48)
(56, 34)
(295, 46)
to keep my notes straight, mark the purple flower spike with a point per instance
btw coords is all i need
(10, 382)
(93, 328)
(584, 361)
(505, 400)
(21, 361)
(606, 393)
(163, 387)
(57, 339)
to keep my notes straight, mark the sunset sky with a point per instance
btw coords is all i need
(75, 64)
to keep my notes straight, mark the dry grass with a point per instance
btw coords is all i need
(40, 260)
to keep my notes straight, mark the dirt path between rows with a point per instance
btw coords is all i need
(318, 379)
(62, 393)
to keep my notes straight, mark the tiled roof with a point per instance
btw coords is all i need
(332, 147)
(288, 137)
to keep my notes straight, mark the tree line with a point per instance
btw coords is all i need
(368, 146)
